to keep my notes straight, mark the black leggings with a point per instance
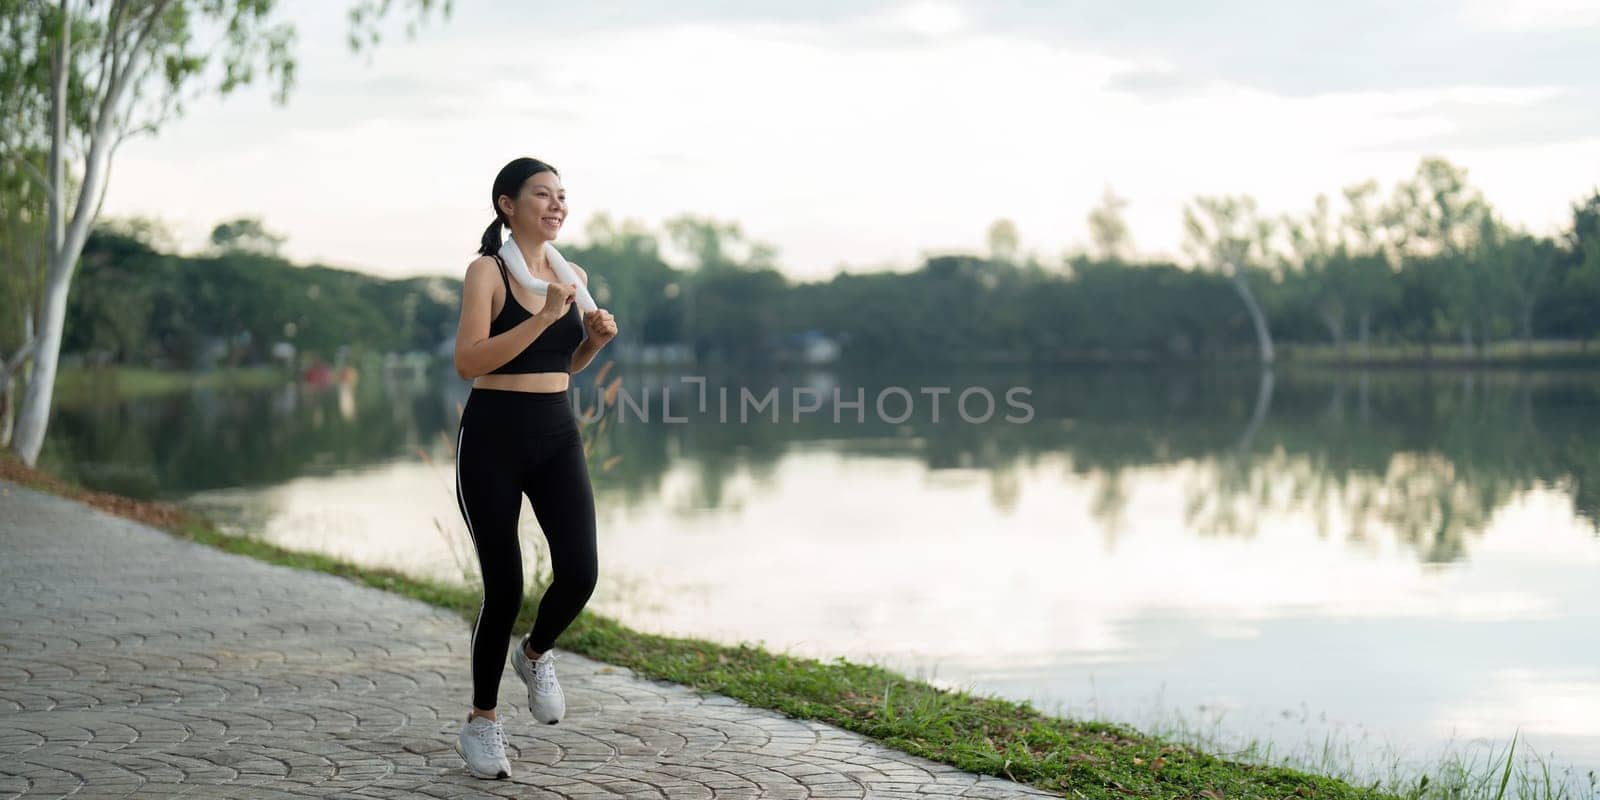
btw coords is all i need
(511, 444)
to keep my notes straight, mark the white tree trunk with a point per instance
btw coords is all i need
(67, 239)
(1334, 320)
(1263, 335)
(34, 414)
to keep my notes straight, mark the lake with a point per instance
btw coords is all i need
(1396, 562)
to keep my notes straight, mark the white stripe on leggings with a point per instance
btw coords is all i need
(461, 500)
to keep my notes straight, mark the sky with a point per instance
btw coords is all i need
(864, 136)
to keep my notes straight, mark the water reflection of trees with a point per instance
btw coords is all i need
(1432, 455)
(173, 445)
(1421, 497)
(1429, 457)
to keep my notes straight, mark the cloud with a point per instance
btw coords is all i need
(1506, 119)
(1155, 84)
(926, 18)
(1532, 15)
(1305, 48)
(838, 141)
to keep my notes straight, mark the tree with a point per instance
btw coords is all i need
(628, 276)
(146, 230)
(1228, 235)
(1581, 285)
(1003, 241)
(1521, 263)
(1437, 221)
(246, 235)
(81, 78)
(630, 239)
(1344, 264)
(723, 262)
(109, 311)
(1107, 229)
(1314, 252)
(1436, 212)
(1366, 263)
(711, 245)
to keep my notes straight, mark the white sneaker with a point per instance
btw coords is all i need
(482, 744)
(545, 698)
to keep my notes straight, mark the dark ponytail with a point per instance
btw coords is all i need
(491, 238)
(508, 183)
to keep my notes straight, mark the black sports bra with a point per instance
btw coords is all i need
(552, 350)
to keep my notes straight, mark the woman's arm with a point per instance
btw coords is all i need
(476, 351)
(585, 354)
(592, 343)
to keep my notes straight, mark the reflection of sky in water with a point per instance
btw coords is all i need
(1287, 611)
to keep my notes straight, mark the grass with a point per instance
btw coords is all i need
(79, 383)
(1476, 769)
(1541, 351)
(1072, 758)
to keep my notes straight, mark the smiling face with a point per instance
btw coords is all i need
(539, 208)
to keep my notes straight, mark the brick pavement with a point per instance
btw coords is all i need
(137, 664)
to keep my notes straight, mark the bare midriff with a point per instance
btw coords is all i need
(525, 382)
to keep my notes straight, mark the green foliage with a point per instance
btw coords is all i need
(23, 217)
(716, 246)
(245, 235)
(1437, 211)
(1227, 234)
(365, 15)
(28, 29)
(1569, 305)
(135, 305)
(1004, 241)
(1432, 266)
(165, 53)
(1346, 280)
(1108, 230)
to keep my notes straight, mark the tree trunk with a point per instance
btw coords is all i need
(1363, 331)
(1263, 335)
(34, 414)
(1335, 323)
(67, 238)
(10, 371)
(1527, 330)
(41, 379)
(8, 408)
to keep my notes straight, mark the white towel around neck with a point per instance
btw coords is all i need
(512, 255)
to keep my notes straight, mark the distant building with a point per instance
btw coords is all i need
(812, 346)
(652, 354)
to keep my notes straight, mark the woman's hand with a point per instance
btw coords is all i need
(557, 296)
(602, 326)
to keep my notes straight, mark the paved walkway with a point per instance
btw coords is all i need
(136, 664)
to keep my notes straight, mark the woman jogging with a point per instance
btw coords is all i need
(519, 436)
